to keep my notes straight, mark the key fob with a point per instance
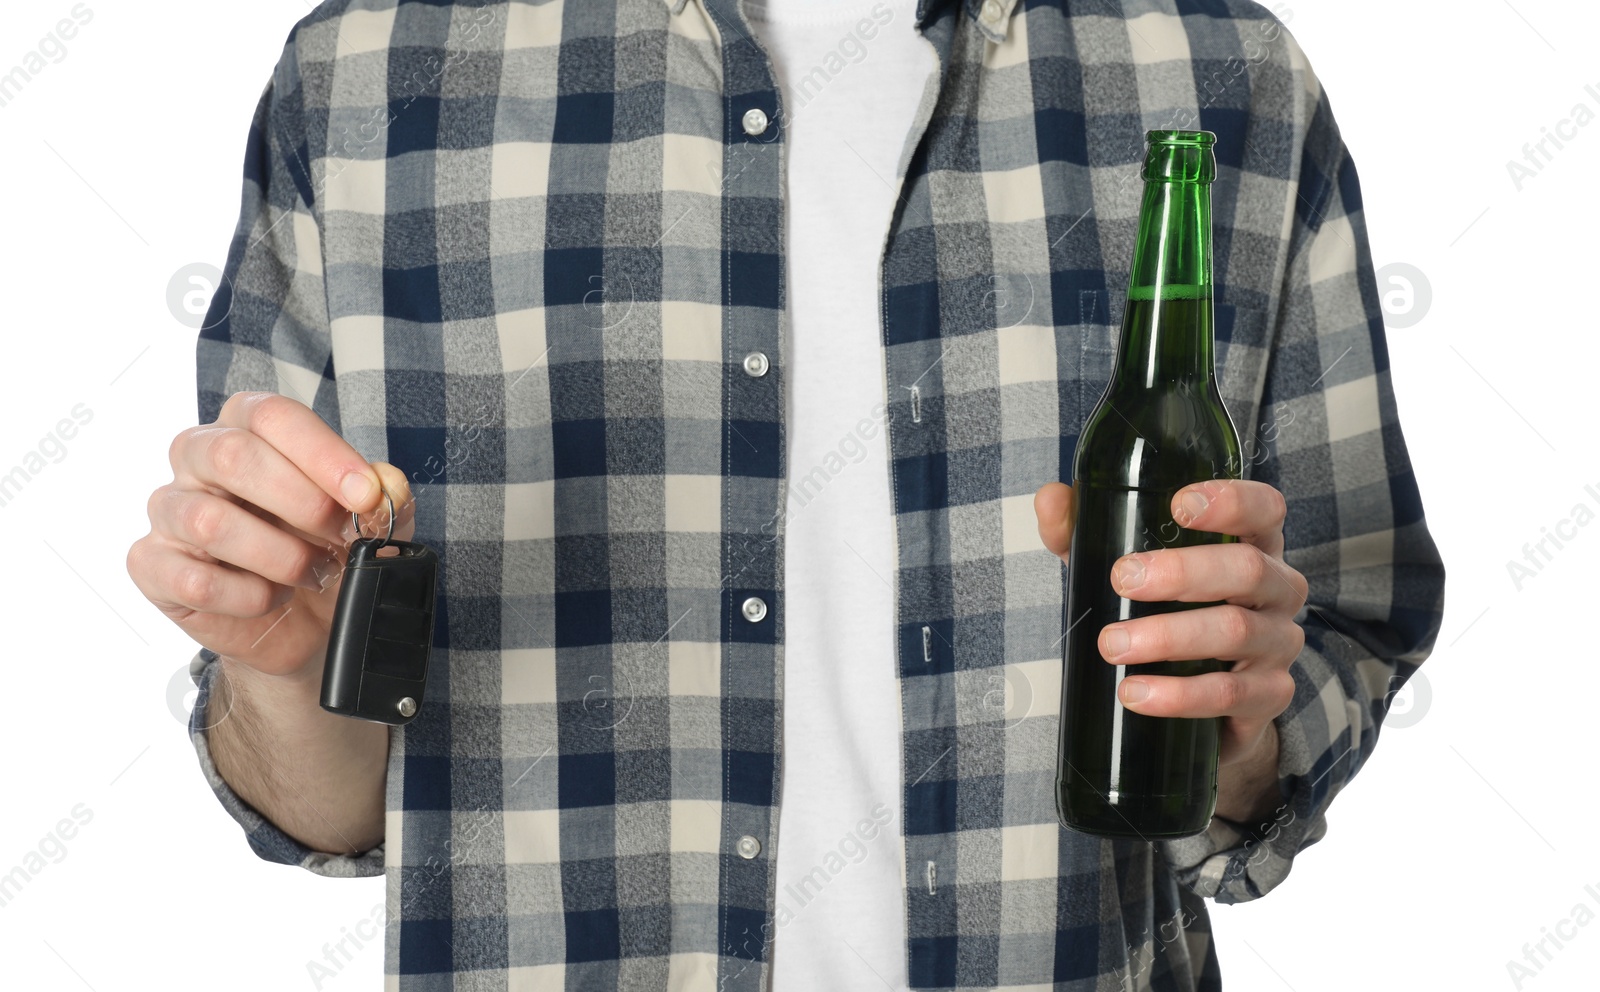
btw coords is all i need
(382, 633)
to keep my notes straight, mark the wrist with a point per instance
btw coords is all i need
(1247, 790)
(280, 704)
(295, 686)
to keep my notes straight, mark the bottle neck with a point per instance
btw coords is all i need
(1167, 325)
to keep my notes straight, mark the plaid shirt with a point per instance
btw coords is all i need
(522, 250)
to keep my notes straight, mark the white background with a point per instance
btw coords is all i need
(1469, 835)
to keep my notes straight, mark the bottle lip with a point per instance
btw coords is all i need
(1192, 139)
(1180, 157)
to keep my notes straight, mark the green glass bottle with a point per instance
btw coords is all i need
(1159, 426)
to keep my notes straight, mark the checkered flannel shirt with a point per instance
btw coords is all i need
(521, 251)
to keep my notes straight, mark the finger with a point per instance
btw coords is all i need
(1239, 573)
(1228, 633)
(1252, 694)
(405, 505)
(178, 583)
(235, 464)
(304, 438)
(1249, 510)
(280, 457)
(226, 532)
(1052, 508)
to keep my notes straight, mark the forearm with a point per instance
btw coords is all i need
(318, 776)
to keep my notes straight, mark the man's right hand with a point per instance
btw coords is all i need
(247, 544)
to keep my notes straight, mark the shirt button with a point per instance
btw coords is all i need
(991, 12)
(755, 365)
(754, 609)
(755, 121)
(748, 847)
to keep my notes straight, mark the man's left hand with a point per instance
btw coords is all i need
(1254, 627)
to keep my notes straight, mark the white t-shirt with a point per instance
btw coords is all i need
(851, 74)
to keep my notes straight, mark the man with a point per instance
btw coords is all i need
(731, 356)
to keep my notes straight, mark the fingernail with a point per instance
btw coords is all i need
(1116, 641)
(1191, 506)
(356, 487)
(1128, 573)
(1134, 692)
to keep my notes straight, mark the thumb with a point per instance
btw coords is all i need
(396, 488)
(1052, 506)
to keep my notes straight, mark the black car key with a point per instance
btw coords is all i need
(382, 631)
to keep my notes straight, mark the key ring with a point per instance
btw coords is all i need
(355, 518)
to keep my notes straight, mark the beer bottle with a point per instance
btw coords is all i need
(1160, 425)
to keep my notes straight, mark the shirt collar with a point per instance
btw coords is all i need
(992, 17)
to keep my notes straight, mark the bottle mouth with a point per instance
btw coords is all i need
(1189, 138)
(1180, 157)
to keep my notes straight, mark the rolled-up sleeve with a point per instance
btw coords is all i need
(265, 838)
(1332, 445)
(267, 329)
